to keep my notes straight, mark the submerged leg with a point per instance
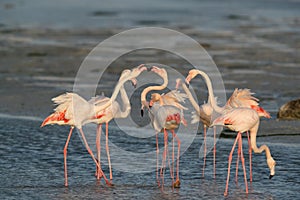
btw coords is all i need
(107, 152)
(93, 157)
(229, 163)
(65, 155)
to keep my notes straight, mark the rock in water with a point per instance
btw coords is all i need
(290, 110)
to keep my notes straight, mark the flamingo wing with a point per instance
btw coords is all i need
(242, 98)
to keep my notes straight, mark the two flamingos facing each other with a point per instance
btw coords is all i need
(75, 111)
(165, 115)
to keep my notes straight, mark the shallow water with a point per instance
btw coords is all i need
(32, 167)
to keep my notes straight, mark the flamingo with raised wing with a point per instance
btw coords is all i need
(75, 111)
(113, 111)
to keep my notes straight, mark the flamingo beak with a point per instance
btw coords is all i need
(150, 104)
(142, 112)
(271, 176)
(187, 80)
(134, 82)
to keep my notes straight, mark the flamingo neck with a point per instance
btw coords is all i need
(114, 94)
(191, 98)
(150, 88)
(126, 104)
(270, 161)
(211, 97)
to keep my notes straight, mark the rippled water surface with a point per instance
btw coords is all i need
(32, 167)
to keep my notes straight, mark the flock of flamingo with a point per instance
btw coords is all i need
(241, 113)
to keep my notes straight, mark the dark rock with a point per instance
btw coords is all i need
(290, 110)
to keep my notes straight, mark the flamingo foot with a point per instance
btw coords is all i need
(176, 184)
(109, 183)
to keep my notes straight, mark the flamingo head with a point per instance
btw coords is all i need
(144, 104)
(125, 73)
(133, 82)
(135, 72)
(160, 71)
(271, 164)
(191, 75)
(261, 112)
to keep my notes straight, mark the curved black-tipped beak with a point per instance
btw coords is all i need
(142, 112)
(187, 85)
(271, 176)
(134, 85)
(149, 69)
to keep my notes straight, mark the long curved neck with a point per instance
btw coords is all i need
(253, 134)
(211, 97)
(191, 98)
(114, 94)
(126, 104)
(150, 88)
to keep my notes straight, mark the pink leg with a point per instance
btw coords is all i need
(65, 155)
(215, 151)
(237, 163)
(243, 164)
(229, 163)
(98, 145)
(164, 156)
(177, 182)
(173, 158)
(204, 154)
(93, 157)
(157, 160)
(250, 156)
(108, 155)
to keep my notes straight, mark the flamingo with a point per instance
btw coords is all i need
(113, 111)
(163, 118)
(239, 98)
(75, 111)
(241, 120)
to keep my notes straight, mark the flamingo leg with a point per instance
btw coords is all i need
(168, 159)
(250, 156)
(204, 153)
(157, 160)
(237, 163)
(173, 155)
(98, 145)
(243, 164)
(65, 155)
(107, 152)
(177, 182)
(164, 156)
(93, 157)
(215, 150)
(229, 162)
